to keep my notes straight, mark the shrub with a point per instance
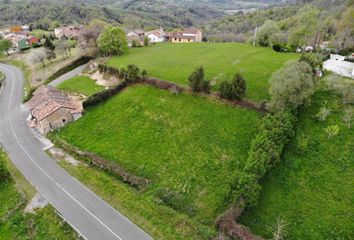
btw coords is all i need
(302, 143)
(233, 90)
(313, 59)
(332, 131)
(266, 149)
(323, 113)
(177, 201)
(4, 174)
(348, 117)
(146, 41)
(77, 63)
(132, 74)
(102, 96)
(291, 86)
(277, 47)
(197, 81)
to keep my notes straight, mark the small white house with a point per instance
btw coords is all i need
(156, 35)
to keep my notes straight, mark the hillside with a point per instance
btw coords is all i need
(312, 188)
(130, 13)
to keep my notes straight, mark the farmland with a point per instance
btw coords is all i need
(185, 144)
(312, 188)
(80, 84)
(174, 62)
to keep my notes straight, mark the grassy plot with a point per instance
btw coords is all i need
(15, 224)
(175, 62)
(186, 145)
(312, 189)
(81, 84)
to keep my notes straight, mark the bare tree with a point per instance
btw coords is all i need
(37, 56)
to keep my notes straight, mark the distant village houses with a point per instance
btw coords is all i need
(51, 109)
(71, 32)
(159, 35)
(21, 38)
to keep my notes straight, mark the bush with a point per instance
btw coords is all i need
(291, 86)
(77, 63)
(100, 97)
(266, 149)
(233, 90)
(313, 59)
(277, 47)
(197, 81)
(332, 131)
(132, 74)
(177, 201)
(4, 174)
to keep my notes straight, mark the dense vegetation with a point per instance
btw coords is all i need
(81, 84)
(293, 25)
(15, 224)
(310, 192)
(190, 148)
(175, 62)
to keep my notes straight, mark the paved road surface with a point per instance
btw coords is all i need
(87, 213)
(67, 76)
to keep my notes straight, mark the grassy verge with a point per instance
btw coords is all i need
(312, 188)
(191, 149)
(175, 62)
(14, 223)
(81, 84)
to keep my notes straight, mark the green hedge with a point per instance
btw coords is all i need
(265, 152)
(104, 95)
(77, 63)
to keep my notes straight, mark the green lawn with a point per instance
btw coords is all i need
(186, 144)
(81, 84)
(15, 224)
(175, 62)
(312, 191)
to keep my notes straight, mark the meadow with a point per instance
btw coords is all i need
(44, 224)
(312, 188)
(81, 84)
(190, 148)
(175, 62)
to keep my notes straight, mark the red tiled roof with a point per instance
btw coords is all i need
(46, 100)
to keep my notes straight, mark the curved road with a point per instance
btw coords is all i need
(86, 212)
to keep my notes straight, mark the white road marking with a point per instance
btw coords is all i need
(66, 192)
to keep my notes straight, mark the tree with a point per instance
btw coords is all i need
(291, 86)
(313, 59)
(236, 89)
(305, 27)
(50, 47)
(112, 41)
(197, 81)
(132, 73)
(88, 36)
(146, 41)
(344, 39)
(37, 56)
(4, 46)
(266, 32)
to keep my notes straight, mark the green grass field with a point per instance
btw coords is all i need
(312, 191)
(81, 84)
(184, 143)
(175, 62)
(15, 224)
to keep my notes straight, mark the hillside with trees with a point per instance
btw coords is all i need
(292, 25)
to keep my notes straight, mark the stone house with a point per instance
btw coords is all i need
(70, 32)
(51, 109)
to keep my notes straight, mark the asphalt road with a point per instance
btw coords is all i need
(86, 212)
(67, 76)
